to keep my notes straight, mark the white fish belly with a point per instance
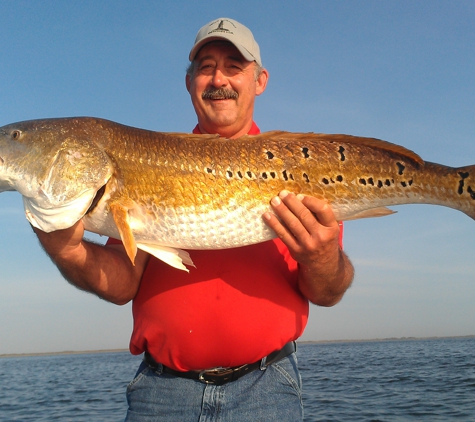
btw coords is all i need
(188, 228)
(216, 229)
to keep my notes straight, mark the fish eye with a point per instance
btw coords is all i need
(16, 135)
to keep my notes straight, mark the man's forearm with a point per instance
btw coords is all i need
(103, 270)
(325, 283)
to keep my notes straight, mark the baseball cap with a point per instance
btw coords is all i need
(232, 31)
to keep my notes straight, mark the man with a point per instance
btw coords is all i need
(218, 342)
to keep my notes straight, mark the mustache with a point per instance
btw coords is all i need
(219, 94)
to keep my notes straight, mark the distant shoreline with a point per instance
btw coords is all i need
(385, 339)
(66, 352)
(87, 352)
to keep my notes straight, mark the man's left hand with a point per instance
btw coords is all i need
(307, 226)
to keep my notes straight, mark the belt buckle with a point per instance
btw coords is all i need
(215, 376)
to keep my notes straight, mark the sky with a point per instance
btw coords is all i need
(402, 71)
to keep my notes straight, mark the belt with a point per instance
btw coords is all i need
(220, 375)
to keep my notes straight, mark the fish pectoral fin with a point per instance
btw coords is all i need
(374, 212)
(121, 219)
(171, 256)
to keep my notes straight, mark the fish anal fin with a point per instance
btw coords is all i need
(372, 213)
(121, 219)
(171, 256)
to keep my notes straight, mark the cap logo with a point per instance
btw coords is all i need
(221, 28)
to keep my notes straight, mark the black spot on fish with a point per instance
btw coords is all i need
(249, 174)
(305, 176)
(471, 192)
(325, 181)
(371, 181)
(229, 173)
(272, 174)
(410, 182)
(401, 168)
(341, 150)
(403, 184)
(239, 174)
(387, 182)
(270, 156)
(264, 175)
(463, 176)
(305, 152)
(208, 170)
(291, 176)
(284, 174)
(339, 178)
(380, 184)
(363, 182)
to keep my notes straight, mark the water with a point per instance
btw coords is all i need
(424, 380)
(421, 380)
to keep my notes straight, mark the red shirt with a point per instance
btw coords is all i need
(237, 306)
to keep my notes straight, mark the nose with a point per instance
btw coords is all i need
(219, 79)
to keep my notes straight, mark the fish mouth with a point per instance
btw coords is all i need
(97, 198)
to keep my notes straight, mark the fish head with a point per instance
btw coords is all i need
(56, 165)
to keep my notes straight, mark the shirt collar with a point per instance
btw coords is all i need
(254, 130)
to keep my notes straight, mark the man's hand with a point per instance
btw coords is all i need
(103, 270)
(61, 242)
(307, 226)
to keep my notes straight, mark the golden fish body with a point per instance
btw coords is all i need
(161, 191)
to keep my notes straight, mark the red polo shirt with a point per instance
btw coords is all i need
(237, 306)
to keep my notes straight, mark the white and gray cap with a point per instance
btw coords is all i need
(230, 30)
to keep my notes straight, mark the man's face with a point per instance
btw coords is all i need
(223, 88)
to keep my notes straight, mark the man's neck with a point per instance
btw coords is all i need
(252, 130)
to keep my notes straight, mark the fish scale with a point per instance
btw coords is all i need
(161, 191)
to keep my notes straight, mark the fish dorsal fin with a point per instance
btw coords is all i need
(349, 139)
(121, 219)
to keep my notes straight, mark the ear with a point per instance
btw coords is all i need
(188, 82)
(261, 82)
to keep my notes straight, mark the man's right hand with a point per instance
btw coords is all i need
(103, 270)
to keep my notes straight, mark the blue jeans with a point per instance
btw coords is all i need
(272, 394)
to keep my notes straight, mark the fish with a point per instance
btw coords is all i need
(165, 192)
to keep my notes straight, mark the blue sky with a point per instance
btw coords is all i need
(402, 71)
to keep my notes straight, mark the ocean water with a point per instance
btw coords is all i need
(417, 380)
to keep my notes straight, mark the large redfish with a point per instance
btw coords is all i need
(162, 191)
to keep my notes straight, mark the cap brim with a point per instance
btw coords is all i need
(244, 52)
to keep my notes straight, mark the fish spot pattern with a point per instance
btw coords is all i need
(401, 167)
(331, 180)
(341, 150)
(471, 192)
(463, 175)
